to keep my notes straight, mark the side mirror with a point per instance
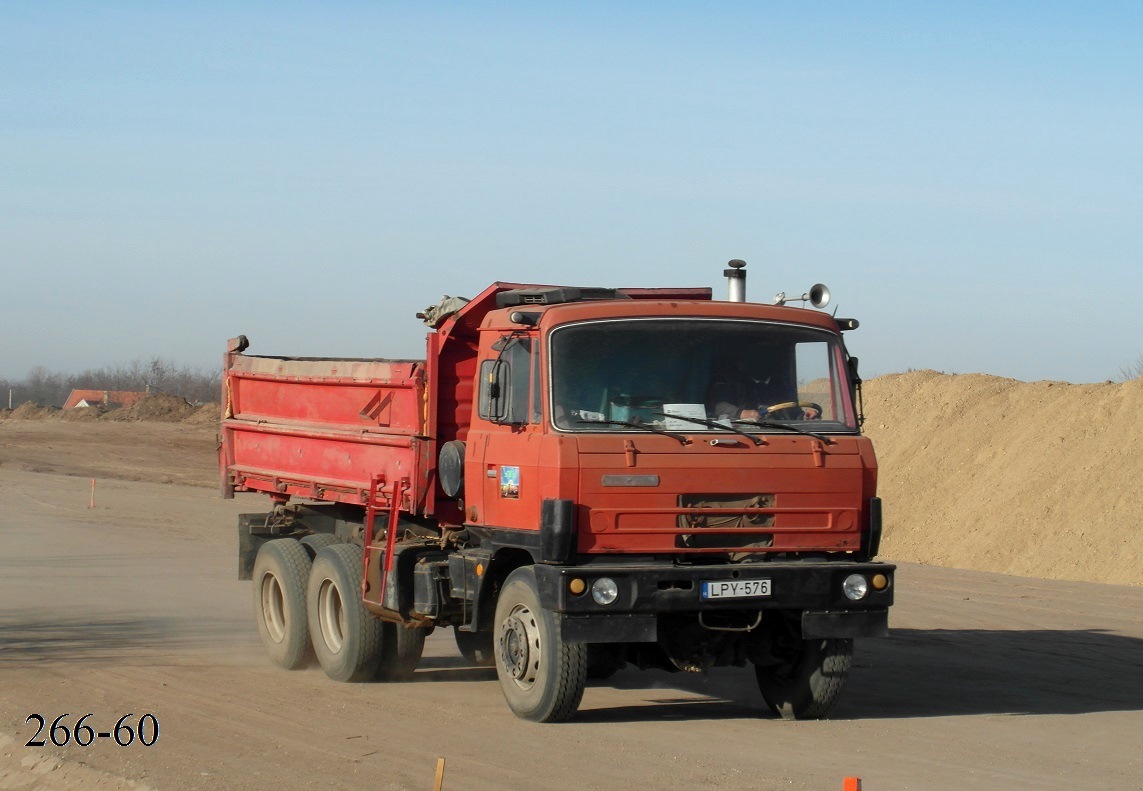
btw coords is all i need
(495, 381)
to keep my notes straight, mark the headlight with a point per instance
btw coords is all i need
(855, 587)
(604, 591)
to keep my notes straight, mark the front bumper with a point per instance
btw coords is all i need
(647, 591)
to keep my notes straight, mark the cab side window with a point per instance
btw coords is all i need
(507, 384)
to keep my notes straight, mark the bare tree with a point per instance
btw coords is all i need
(1132, 371)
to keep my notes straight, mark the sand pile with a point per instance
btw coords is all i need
(1033, 478)
(160, 406)
(205, 415)
(31, 411)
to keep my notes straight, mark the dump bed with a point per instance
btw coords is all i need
(324, 429)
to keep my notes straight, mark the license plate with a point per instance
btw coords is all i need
(735, 589)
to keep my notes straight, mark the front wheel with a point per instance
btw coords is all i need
(807, 683)
(542, 676)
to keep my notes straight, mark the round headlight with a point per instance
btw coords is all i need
(604, 591)
(855, 587)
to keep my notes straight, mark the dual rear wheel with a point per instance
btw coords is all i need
(302, 605)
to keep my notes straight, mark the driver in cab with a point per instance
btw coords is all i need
(736, 394)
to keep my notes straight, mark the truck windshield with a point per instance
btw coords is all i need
(676, 374)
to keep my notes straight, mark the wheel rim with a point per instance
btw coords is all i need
(273, 608)
(331, 616)
(520, 646)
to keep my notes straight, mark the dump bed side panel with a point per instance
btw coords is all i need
(323, 429)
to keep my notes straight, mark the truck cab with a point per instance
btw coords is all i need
(642, 411)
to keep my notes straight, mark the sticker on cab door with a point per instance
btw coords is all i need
(510, 483)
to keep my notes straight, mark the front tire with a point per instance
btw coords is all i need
(542, 676)
(346, 638)
(807, 684)
(281, 572)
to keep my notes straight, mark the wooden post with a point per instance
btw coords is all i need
(440, 775)
(92, 505)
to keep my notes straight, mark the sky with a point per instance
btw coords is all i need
(967, 178)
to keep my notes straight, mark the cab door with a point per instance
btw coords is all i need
(509, 410)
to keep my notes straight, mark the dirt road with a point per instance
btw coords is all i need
(987, 681)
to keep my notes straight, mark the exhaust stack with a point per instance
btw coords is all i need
(735, 280)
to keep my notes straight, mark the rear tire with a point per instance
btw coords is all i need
(604, 660)
(807, 686)
(542, 676)
(401, 651)
(476, 647)
(346, 638)
(281, 572)
(316, 542)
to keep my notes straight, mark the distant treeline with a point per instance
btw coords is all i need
(156, 375)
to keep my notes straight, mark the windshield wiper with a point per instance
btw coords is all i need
(787, 427)
(641, 426)
(714, 424)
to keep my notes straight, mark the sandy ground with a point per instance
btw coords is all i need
(133, 607)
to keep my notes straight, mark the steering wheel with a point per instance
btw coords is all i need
(805, 406)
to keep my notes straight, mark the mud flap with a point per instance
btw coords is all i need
(608, 628)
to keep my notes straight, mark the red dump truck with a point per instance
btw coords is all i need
(574, 480)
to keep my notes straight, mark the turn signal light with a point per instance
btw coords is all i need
(576, 586)
(880, 582)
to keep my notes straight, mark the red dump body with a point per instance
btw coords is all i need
(323, 429)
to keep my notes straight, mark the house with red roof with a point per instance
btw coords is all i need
(107, 399)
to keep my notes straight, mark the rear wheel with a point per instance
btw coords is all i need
(346, 638)
(542, 676)
(808, 681)
(476, 647)
(316, 542)
(401, 651)
(604, 660)
(281, 571)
